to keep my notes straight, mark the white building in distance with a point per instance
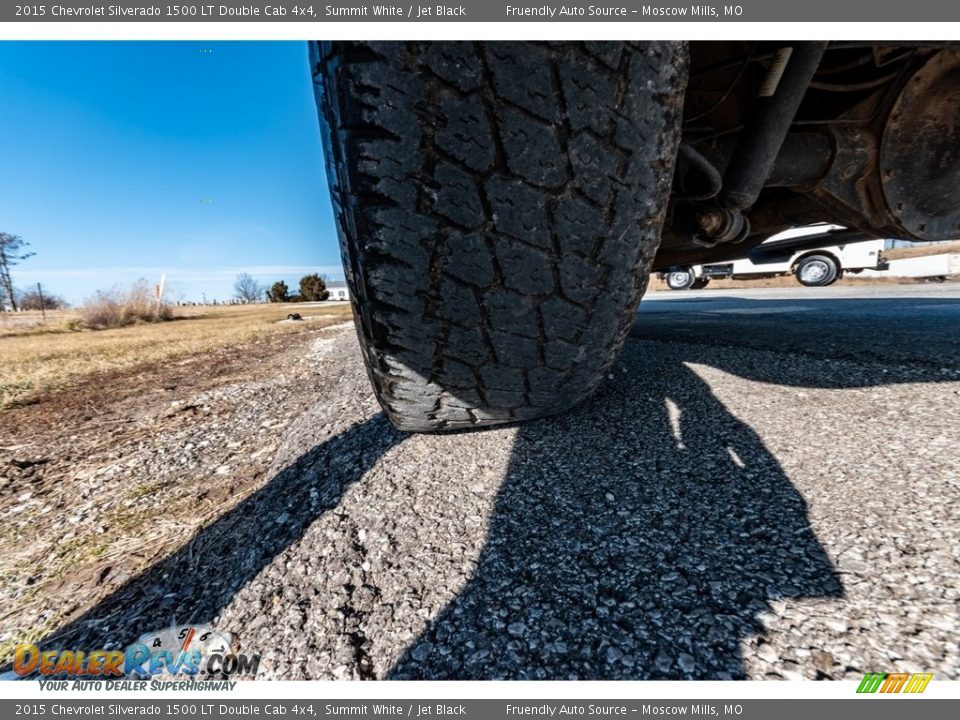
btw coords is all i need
(338, 290)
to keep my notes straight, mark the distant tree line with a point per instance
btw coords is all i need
(247, 289)
(312, 288)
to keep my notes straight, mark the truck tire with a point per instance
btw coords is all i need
(700, 283)
(817, 271)
(681, 279)
(498, 206)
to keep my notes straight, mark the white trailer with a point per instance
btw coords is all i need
(934, 267)
(812, 267)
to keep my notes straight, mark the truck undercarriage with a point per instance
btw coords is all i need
(777, 135)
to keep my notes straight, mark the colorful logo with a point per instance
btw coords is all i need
(189, 650)
(894, 682)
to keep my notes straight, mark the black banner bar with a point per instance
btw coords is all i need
(875, 708)
(616, 11)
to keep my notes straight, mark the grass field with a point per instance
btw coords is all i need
(37, 358)
(922, 251)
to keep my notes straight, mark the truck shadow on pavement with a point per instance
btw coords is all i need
(638, 536)
(194, 584)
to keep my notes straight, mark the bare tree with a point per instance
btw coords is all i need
(11, 252)
(37, 299)
(247, 289)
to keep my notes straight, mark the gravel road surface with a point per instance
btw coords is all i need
(768, 486)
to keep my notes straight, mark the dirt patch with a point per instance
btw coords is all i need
(102, 479)
(56, 355)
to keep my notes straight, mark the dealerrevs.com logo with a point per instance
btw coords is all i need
(186, 650)
(894, 682)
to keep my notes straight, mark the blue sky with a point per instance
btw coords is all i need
(123, 160)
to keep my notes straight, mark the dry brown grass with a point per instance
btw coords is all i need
(922, 251)
(40, 358)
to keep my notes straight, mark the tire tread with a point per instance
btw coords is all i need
(498, 206)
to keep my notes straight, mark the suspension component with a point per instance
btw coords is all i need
(761, 140)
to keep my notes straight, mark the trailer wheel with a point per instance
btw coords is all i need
(681, 279)
(499, 206)
(817, 271)
(700, 283)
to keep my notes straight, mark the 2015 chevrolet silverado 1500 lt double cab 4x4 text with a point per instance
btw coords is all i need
(501, 205)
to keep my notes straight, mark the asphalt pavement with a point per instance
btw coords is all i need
(917, 324)
(766, 486)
